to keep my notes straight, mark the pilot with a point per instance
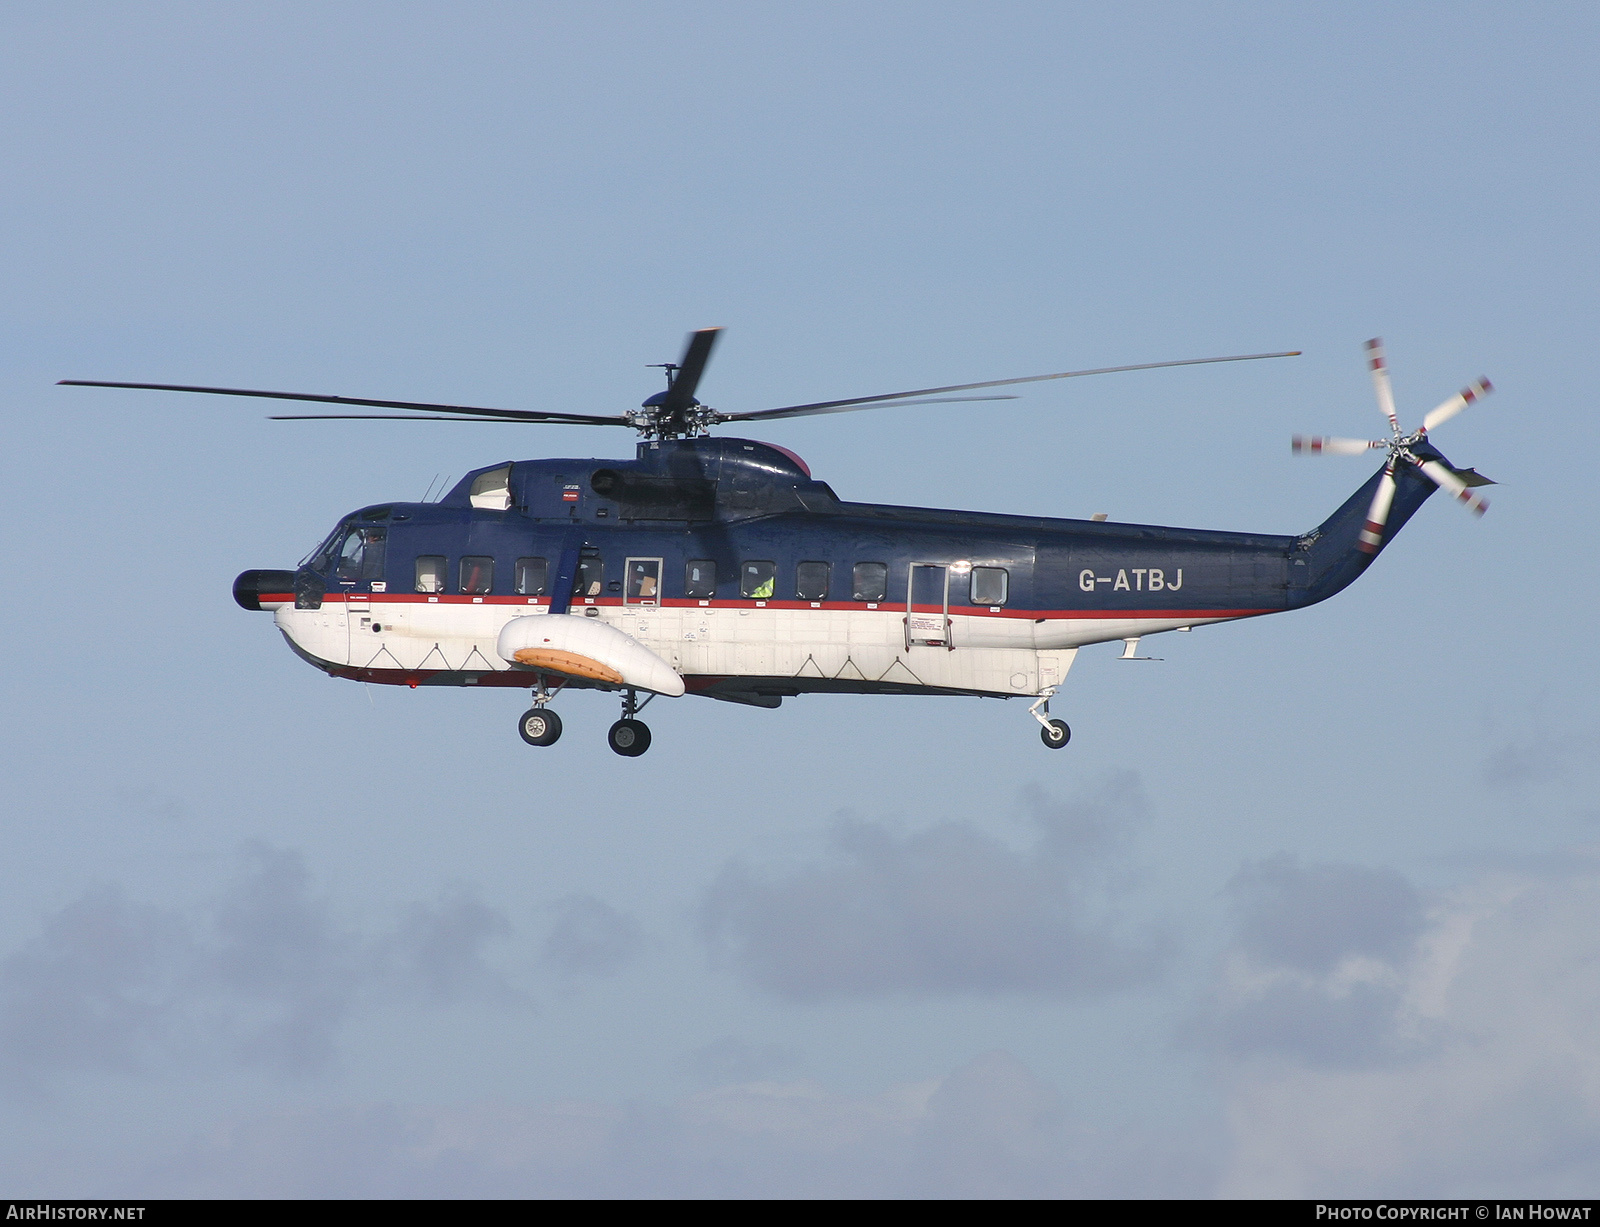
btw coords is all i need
(763, 589)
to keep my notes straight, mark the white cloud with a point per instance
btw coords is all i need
(1317, 968)
(265, 976)
(989, 1129)
(1489, 1077)
(590, 937)
(945, 910)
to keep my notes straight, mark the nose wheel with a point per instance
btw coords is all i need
(539, 726)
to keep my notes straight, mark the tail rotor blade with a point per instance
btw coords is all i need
(1453, 486)
(1458, 402)
(1379, 366)
(1323, 445)
(1378, 514)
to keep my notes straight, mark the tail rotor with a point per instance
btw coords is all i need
(1413, 448)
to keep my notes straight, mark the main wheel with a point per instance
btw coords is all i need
(1055, 734)
(629, 738)
(539, 726)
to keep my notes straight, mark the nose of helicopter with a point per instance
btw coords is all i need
(252, 587)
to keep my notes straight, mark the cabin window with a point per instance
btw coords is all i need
(430, 573)
(756, 578)
(811, 581)
(988, 585)
(644, 580)
(532, 574)
(477, 574)
(700, 578)
(869, 581)
(590, 578)
(361, 554)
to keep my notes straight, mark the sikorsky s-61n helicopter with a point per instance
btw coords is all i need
(720, 567)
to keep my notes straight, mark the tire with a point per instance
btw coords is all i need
(539, 726)
(1056, 734)
(629, 738)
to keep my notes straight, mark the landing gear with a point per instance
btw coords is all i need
(539, 726)
(630, 737)
(1054, 733)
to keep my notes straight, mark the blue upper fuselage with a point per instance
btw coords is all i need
(731, 502)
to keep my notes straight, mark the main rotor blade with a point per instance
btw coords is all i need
(687, 377)
(520, 415)
(1453, 486)
(1379, 365)
(552, 420)
(1378, 513)
(1324, 445)
(851, 408)
(867, 402)
(1458, 402)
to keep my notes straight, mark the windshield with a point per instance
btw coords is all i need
(320, 558)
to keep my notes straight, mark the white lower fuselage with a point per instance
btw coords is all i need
(414, 639)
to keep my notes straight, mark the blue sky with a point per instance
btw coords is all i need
(1308, 908)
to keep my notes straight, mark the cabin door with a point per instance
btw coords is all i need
(928, 606)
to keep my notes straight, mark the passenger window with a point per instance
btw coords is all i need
(811, 581)
(477, 574)
(532, 575)
(590, 578)
(644, 579)
(700, 578)
(430, 573)
(869, 581)
(988, 585)
(756, 578)
(361, 554)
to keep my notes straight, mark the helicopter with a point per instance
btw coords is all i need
(720, 567)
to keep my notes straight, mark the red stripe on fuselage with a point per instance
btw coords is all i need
(616, 602)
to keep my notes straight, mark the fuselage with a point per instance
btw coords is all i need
(753, 581)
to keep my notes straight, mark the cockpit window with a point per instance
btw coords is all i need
(361, 555)
(321, 558)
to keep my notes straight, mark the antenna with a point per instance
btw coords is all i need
(429, 490)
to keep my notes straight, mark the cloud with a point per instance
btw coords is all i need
(590, 937)
(988, 1129)
(945, 910)
(1316, 970)
(731, 1060)
(95, 990)
(279, 957)
(1528, 762)
(264, 976)
(437, 953)
(1480, 1076)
